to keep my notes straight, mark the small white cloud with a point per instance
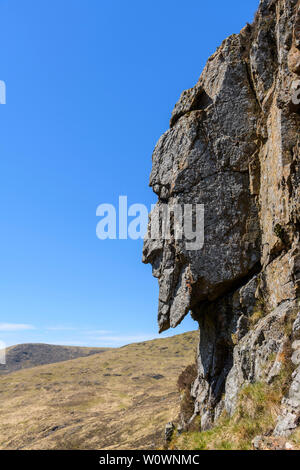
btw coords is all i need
(61, 328)
(69, 343)
(83, 331)
(99, 332)
(125, 339)
(15, 327)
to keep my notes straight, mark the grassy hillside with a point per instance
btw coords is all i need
(119, 399)
(23, 356)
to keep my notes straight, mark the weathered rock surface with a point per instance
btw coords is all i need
(271, 443)
(234, 145)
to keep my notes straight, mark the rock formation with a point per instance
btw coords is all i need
(233, 145)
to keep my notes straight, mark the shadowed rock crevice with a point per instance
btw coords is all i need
(195, 99)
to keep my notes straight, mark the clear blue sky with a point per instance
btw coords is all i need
(90, 88)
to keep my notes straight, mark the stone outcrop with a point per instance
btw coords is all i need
(233, 146)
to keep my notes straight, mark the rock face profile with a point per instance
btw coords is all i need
(233, 145)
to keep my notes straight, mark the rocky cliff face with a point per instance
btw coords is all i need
(233, 145)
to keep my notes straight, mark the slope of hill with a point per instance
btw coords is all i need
(23, 356)
(119, 399)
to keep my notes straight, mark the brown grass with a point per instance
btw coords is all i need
(119, 399)
(184, 383)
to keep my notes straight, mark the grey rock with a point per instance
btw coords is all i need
(169, 431)
(296, 326)
(180, 430)
(296, 353)
(233, 145)
(289, 419)
(251, 357)
(257, 442)
(206, 152)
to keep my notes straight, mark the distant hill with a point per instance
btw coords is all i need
(118, 399)
(23, 356)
